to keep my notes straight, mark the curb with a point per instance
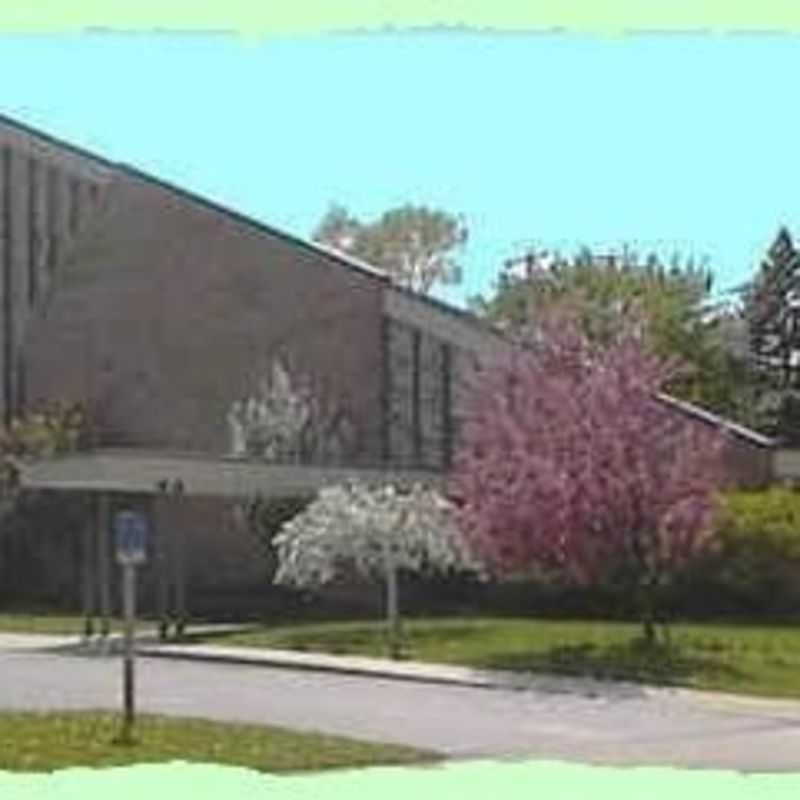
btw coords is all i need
(742, 703)
(482, 679)
(401, 671)
(246, 659)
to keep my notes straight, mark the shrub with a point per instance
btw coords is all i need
(755, 570)
(262, 518)
(765, 522)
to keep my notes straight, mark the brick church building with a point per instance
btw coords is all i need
(157, 309)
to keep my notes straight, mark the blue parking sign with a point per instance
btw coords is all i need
(130, 531)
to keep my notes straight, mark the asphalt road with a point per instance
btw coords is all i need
(623, 726)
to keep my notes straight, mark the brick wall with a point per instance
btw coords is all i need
(749, 465)
(168, 311)
(47, 197)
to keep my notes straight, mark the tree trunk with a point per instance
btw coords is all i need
(393, 613)
(645, 592)
(647, 612)
(392, 605)
(663, 621)
(665, 635)
(649, 631)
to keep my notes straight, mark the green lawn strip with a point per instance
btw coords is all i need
(744, 659)
(53, 624)
(65, 624)
(44, 742)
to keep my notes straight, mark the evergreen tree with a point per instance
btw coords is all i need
(772, 311)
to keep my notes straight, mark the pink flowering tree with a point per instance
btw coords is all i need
(569, 461)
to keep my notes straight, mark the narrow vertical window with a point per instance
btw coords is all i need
(22, 398)
(53, 208)
(386, 390)
(34, 243)
(74, 205)
(416, 416)
(8, 288)
(447, 405)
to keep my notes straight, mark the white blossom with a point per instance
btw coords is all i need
(360, 526)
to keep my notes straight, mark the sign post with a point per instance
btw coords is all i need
(130, 531)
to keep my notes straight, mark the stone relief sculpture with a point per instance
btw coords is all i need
(236, 427)
(286, 422)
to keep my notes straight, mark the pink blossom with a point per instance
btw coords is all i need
(567, 458)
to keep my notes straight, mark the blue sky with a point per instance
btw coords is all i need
(666, 143)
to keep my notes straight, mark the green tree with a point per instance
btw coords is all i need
(675, 299)
(771, 308)
(415, 245)
(36, 434)
(39, 433)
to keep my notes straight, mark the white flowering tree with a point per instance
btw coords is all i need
(376, 530)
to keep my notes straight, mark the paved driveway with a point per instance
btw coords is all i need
(622, 726)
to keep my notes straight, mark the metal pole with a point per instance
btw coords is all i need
(129, 605)
(161, 559)
(180, 563)
(88, 575)
(104, 565)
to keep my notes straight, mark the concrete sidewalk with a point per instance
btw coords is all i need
(11, 640)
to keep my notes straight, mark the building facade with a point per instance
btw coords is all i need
(157, 309)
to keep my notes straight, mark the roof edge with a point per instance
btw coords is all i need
(55, 141)
(344, 259)
(122, 168)
(263, 227)
(741, 431)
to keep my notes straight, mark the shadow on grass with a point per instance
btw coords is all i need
(299, 639)
(346, 637)
(626, 661)
(209, 637)
(703, 663)
(374, 638)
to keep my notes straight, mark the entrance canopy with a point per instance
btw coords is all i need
(104, 473)
(142, 472)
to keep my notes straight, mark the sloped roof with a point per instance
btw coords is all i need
(338, 257)
(740, 431)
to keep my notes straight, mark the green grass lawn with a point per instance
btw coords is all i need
(45, 742)
(54, 624)
(744, 659)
